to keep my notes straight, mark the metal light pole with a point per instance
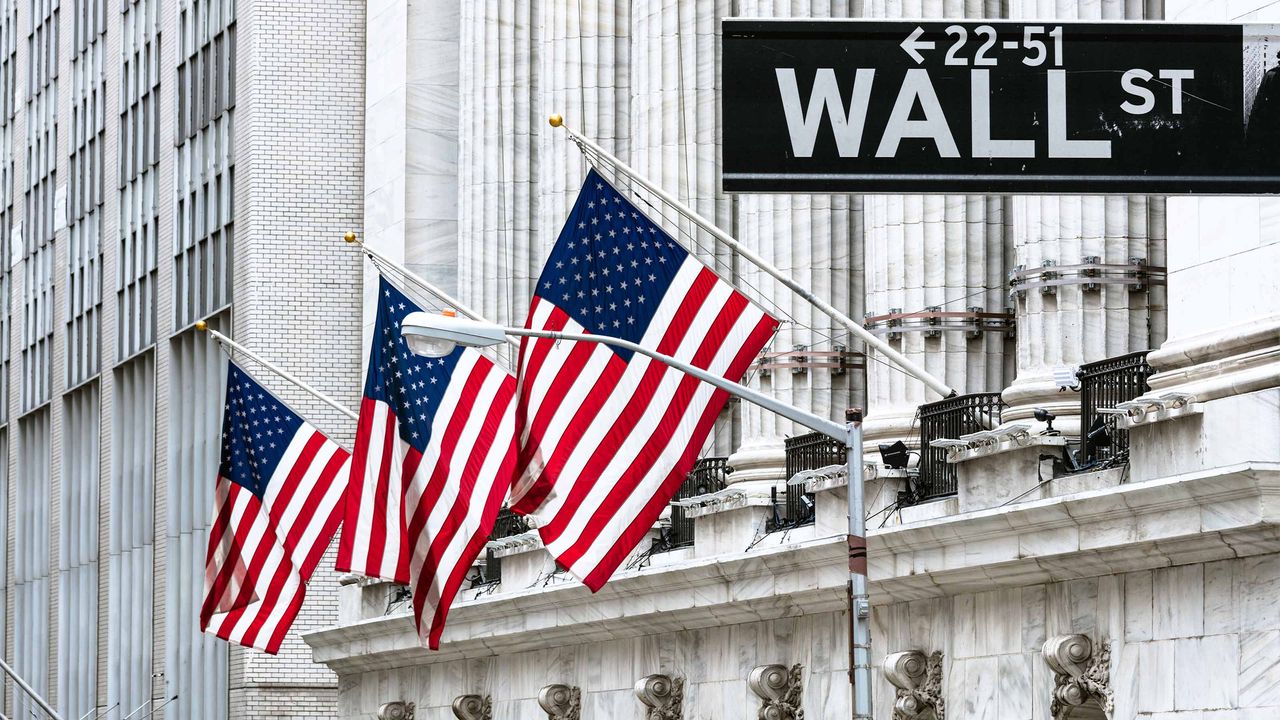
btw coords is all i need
(436, 335)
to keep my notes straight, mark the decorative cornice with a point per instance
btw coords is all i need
(1081, 676)
(561, 702)
(919, 684)
(1214, 514)
(662, 695)
(473, 707)
(396, 710)
(515, 544)
(780, 690)
(784, 581)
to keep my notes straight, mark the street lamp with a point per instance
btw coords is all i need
(435, 335)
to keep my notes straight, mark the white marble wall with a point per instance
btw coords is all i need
(714, 661)
(1196, 642)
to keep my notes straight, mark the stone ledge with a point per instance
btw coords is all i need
(786, 581)
(1209, 515)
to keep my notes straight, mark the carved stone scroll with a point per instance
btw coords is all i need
(781, 691)
(396, 710)
(662, 695)
(473, 707)
(561, 702)
(919, 683)
(1082, 677)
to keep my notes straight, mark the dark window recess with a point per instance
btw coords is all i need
(950, 418)
(707, 476)
(811, 451)
(1106, 384)
(506, 525)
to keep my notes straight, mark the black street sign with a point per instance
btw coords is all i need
(1000, 107)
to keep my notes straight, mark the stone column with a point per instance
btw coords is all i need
(498, 158)
(932, 253)
(675, 134)
(1069, 324)
(814, 238)
(585, 71)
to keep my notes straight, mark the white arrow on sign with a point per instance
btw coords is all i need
(913, 45)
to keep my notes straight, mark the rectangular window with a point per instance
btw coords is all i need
(204, 227)
(129, 605)
(196, 663)
(31, 561)
(78, 554)
(139, 196)
(41, 202)
(84, 193)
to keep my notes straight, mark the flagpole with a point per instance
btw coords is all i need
(912, 368)
(228, 342)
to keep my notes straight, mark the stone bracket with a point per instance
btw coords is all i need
(780, 689)
(662, 696)
(918, 680)
(473, 707)
(396, 710)
(1081, 675)
(561, 702)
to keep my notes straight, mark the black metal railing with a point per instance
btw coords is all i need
(1105, 384)
(950, 418)
(810, 451)
(506, 525)
(707, 476)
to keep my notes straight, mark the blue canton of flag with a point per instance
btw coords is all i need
(611, 265)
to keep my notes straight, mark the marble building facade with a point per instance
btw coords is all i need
(1149, 589)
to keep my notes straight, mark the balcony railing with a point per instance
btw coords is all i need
(950, 418)
(1105, 384)
(811, 451)
(507, 525)
(707, 476)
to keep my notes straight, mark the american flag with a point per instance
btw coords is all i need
(606, 436)
(278, 503)
(433, 459)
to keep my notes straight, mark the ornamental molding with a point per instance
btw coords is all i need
(1223, 362)
(473, 707)
(662, 696)
(1082, 676)
(515, 544)
(780, 690)
(561, 702)
(918, 680)
(396, 710)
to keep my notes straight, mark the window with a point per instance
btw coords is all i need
(138, 162)
(205, 160)
(84, 192)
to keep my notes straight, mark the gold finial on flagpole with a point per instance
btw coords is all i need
(202, 325)
(349, 237)
(555, 120)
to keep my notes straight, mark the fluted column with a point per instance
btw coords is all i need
(675, 132)
(498, 157)
(815, 239)
(1072, 325)
(932, 251)
(584, 73)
